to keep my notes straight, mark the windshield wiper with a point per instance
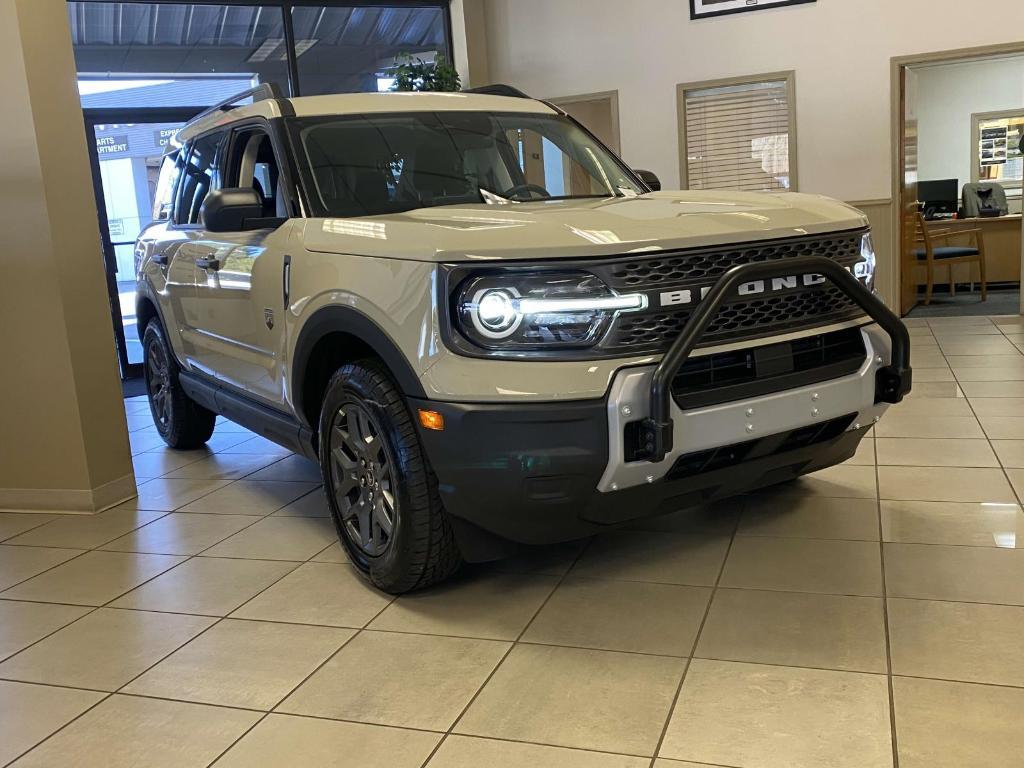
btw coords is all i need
(493, 198)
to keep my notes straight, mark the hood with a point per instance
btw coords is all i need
(582, 228)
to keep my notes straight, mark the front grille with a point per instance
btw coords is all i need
(744, 317)
(746, 373)
(731, 455)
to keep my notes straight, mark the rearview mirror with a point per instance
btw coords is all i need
(650, 179)
(235, 210)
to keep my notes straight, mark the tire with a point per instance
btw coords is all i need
(381, 491)
(181, 422)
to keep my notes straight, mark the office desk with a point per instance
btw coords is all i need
(1002, 246)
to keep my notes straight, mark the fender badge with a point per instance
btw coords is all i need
(268, 318)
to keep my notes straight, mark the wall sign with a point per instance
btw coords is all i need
(700, 9)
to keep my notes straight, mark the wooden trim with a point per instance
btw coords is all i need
(613, 99)
(789, 76)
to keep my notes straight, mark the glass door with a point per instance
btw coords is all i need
(127, 151)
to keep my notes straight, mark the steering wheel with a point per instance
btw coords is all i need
(519, 188)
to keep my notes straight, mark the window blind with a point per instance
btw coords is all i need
(738, 136)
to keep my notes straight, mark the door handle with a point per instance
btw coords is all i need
(160, 259)
(212, 264)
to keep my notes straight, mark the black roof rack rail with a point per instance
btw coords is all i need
(259, 93)
(499, 89)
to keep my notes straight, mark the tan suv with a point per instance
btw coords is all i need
(490, 331)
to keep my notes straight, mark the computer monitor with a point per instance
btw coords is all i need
(939, 196)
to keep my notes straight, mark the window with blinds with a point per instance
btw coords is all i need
(739, 135)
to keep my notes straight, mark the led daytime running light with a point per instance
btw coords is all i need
(633, 301)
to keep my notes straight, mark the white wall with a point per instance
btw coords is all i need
(840, 49)
(947, 97)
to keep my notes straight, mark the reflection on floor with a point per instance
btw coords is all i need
(1000, 302)
(215, 618)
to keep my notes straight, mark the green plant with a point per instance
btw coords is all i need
(414, 74)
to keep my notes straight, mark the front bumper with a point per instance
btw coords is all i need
(540, 473)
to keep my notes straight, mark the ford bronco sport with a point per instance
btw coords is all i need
(489, 330)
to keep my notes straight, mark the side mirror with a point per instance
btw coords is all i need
(650, 179)
(232, 210)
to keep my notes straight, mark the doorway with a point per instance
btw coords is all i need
(598, 113)
(953, 126)
(126, 149)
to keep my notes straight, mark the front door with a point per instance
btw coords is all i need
(127, 148)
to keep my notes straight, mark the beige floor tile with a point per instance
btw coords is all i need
(896, 424)
(313, 504)
(621, 616)
(810, 517)
(953, 523)
(928, 357)
(494, 606)
(283, 740)
(206, 585)
(33, 712)
(804, 565)
(144, 440)
(958, 328)
(958, 574)
(865, 455)
(970, 642)
(278, 538)
(788, 628)
(663, 763)
(932, 406)
(334, 553)
(22, 624)
(474, 752)
(163, 495)
(993, 373)
(246, 497)
(259, 445)
(179, 533)
(127, 731)
(944, 484)
(14, 523)
(103, 650)
(997, 406)
(976, 346)
(20, 563)
(932, 375)
(935, 452)
(86, 531)
(1003, 427)
(223, 466)
(599, 700)
(842, 482)
(991, 389)
(94, 578)
(295, 469)
(328, 594)
(986, 361)
(955, 725)
(1010, 453)
(159, 463)
(247, 664)
(719, 518)
(780, 717)
(669, 558)
(553, 560)
(1017, 479)
(416, 681)
(934, 390)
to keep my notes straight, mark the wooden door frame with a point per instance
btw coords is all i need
(897, 122)
(612, 97)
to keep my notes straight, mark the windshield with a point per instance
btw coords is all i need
(374, 164)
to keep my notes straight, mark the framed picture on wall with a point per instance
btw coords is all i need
(700, 9)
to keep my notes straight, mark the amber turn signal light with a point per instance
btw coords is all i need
(432, 420)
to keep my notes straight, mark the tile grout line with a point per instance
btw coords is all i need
(893, 738)
(696, 639)
(512, 646)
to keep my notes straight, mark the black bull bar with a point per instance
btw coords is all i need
(892, 381)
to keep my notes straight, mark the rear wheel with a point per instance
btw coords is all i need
(382, 495)
(181, 422)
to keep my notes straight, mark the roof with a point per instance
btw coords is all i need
(370, 103)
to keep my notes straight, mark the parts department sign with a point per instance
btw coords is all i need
(112, 145)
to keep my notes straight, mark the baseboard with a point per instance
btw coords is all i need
(68, 501)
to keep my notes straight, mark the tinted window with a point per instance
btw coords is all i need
(199, 177)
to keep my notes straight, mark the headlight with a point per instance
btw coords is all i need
(864, 270)
(538, 310)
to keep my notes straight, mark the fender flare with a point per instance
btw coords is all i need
(340, 319)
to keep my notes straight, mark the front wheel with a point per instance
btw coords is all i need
(381, 492)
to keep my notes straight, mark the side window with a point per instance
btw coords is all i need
(199, 177)
(163, 198)
(253, 165)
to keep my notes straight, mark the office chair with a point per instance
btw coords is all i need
(931, 254)
(984, 200)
